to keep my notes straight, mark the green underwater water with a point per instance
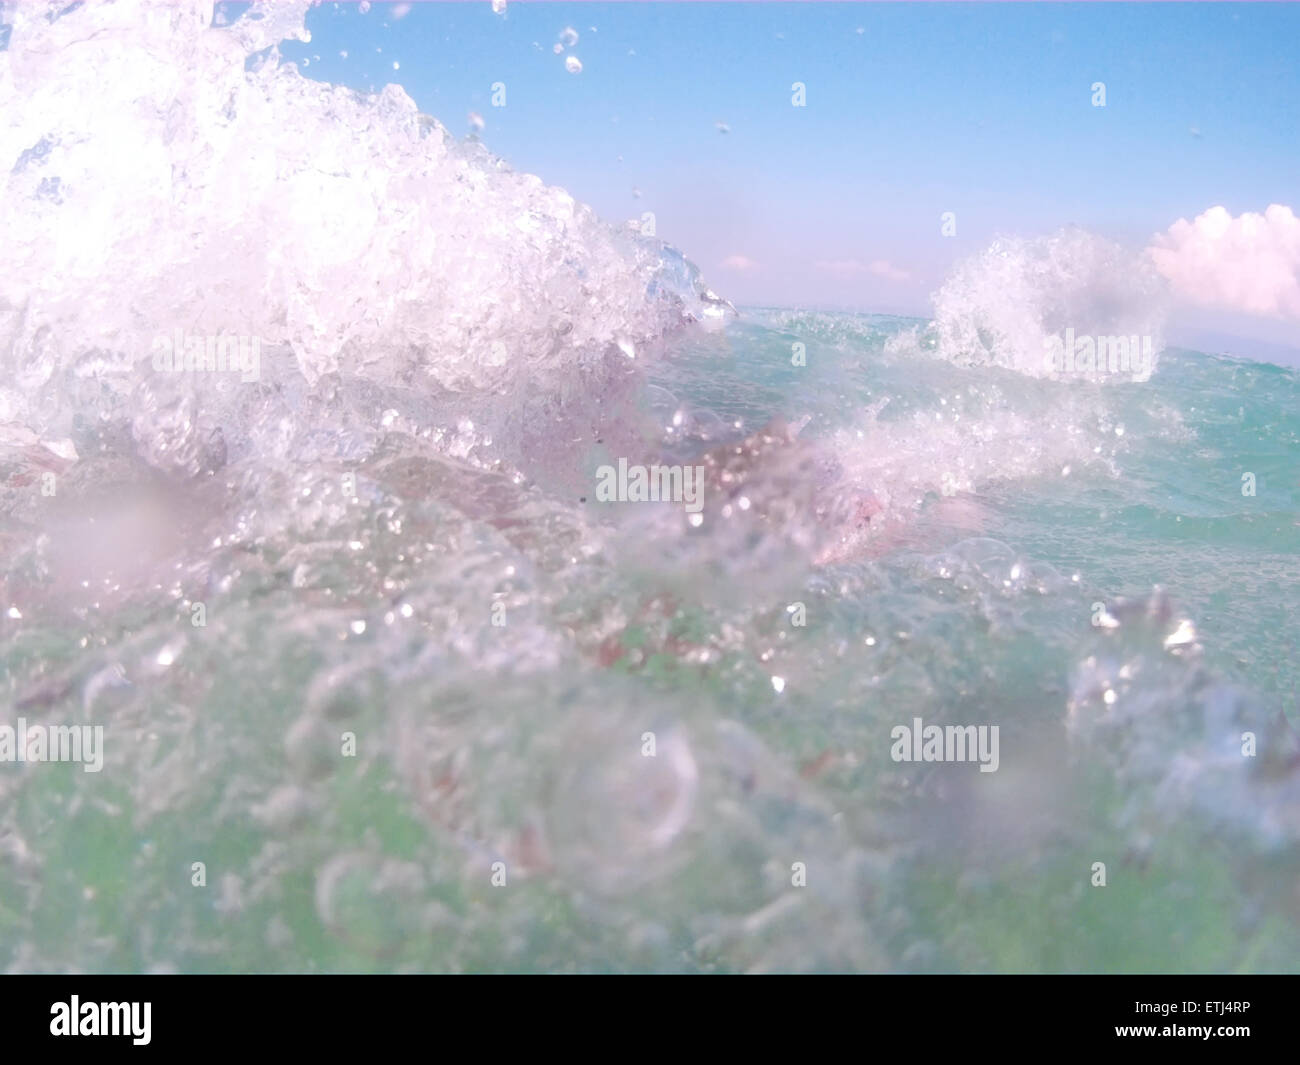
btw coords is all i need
(370, 615)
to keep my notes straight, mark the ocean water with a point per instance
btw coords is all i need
(384, 684)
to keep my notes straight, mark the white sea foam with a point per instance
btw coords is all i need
(1003, 306)
(165, 173)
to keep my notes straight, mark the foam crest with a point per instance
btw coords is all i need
(1004, 306)
(167, 174)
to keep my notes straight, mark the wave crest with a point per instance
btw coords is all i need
(1004, 306)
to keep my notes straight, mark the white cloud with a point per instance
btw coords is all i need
(881, 268)
(1250, 263)
(739, 262)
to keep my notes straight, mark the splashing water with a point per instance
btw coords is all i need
(1001, 307)
(365, 643)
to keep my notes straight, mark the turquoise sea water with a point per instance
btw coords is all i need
(521, 743)
(384, 686)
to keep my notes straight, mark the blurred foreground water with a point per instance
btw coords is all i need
(364, 642)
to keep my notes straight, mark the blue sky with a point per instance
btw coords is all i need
(984, 110)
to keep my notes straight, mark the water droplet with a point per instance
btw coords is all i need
(375, 905)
